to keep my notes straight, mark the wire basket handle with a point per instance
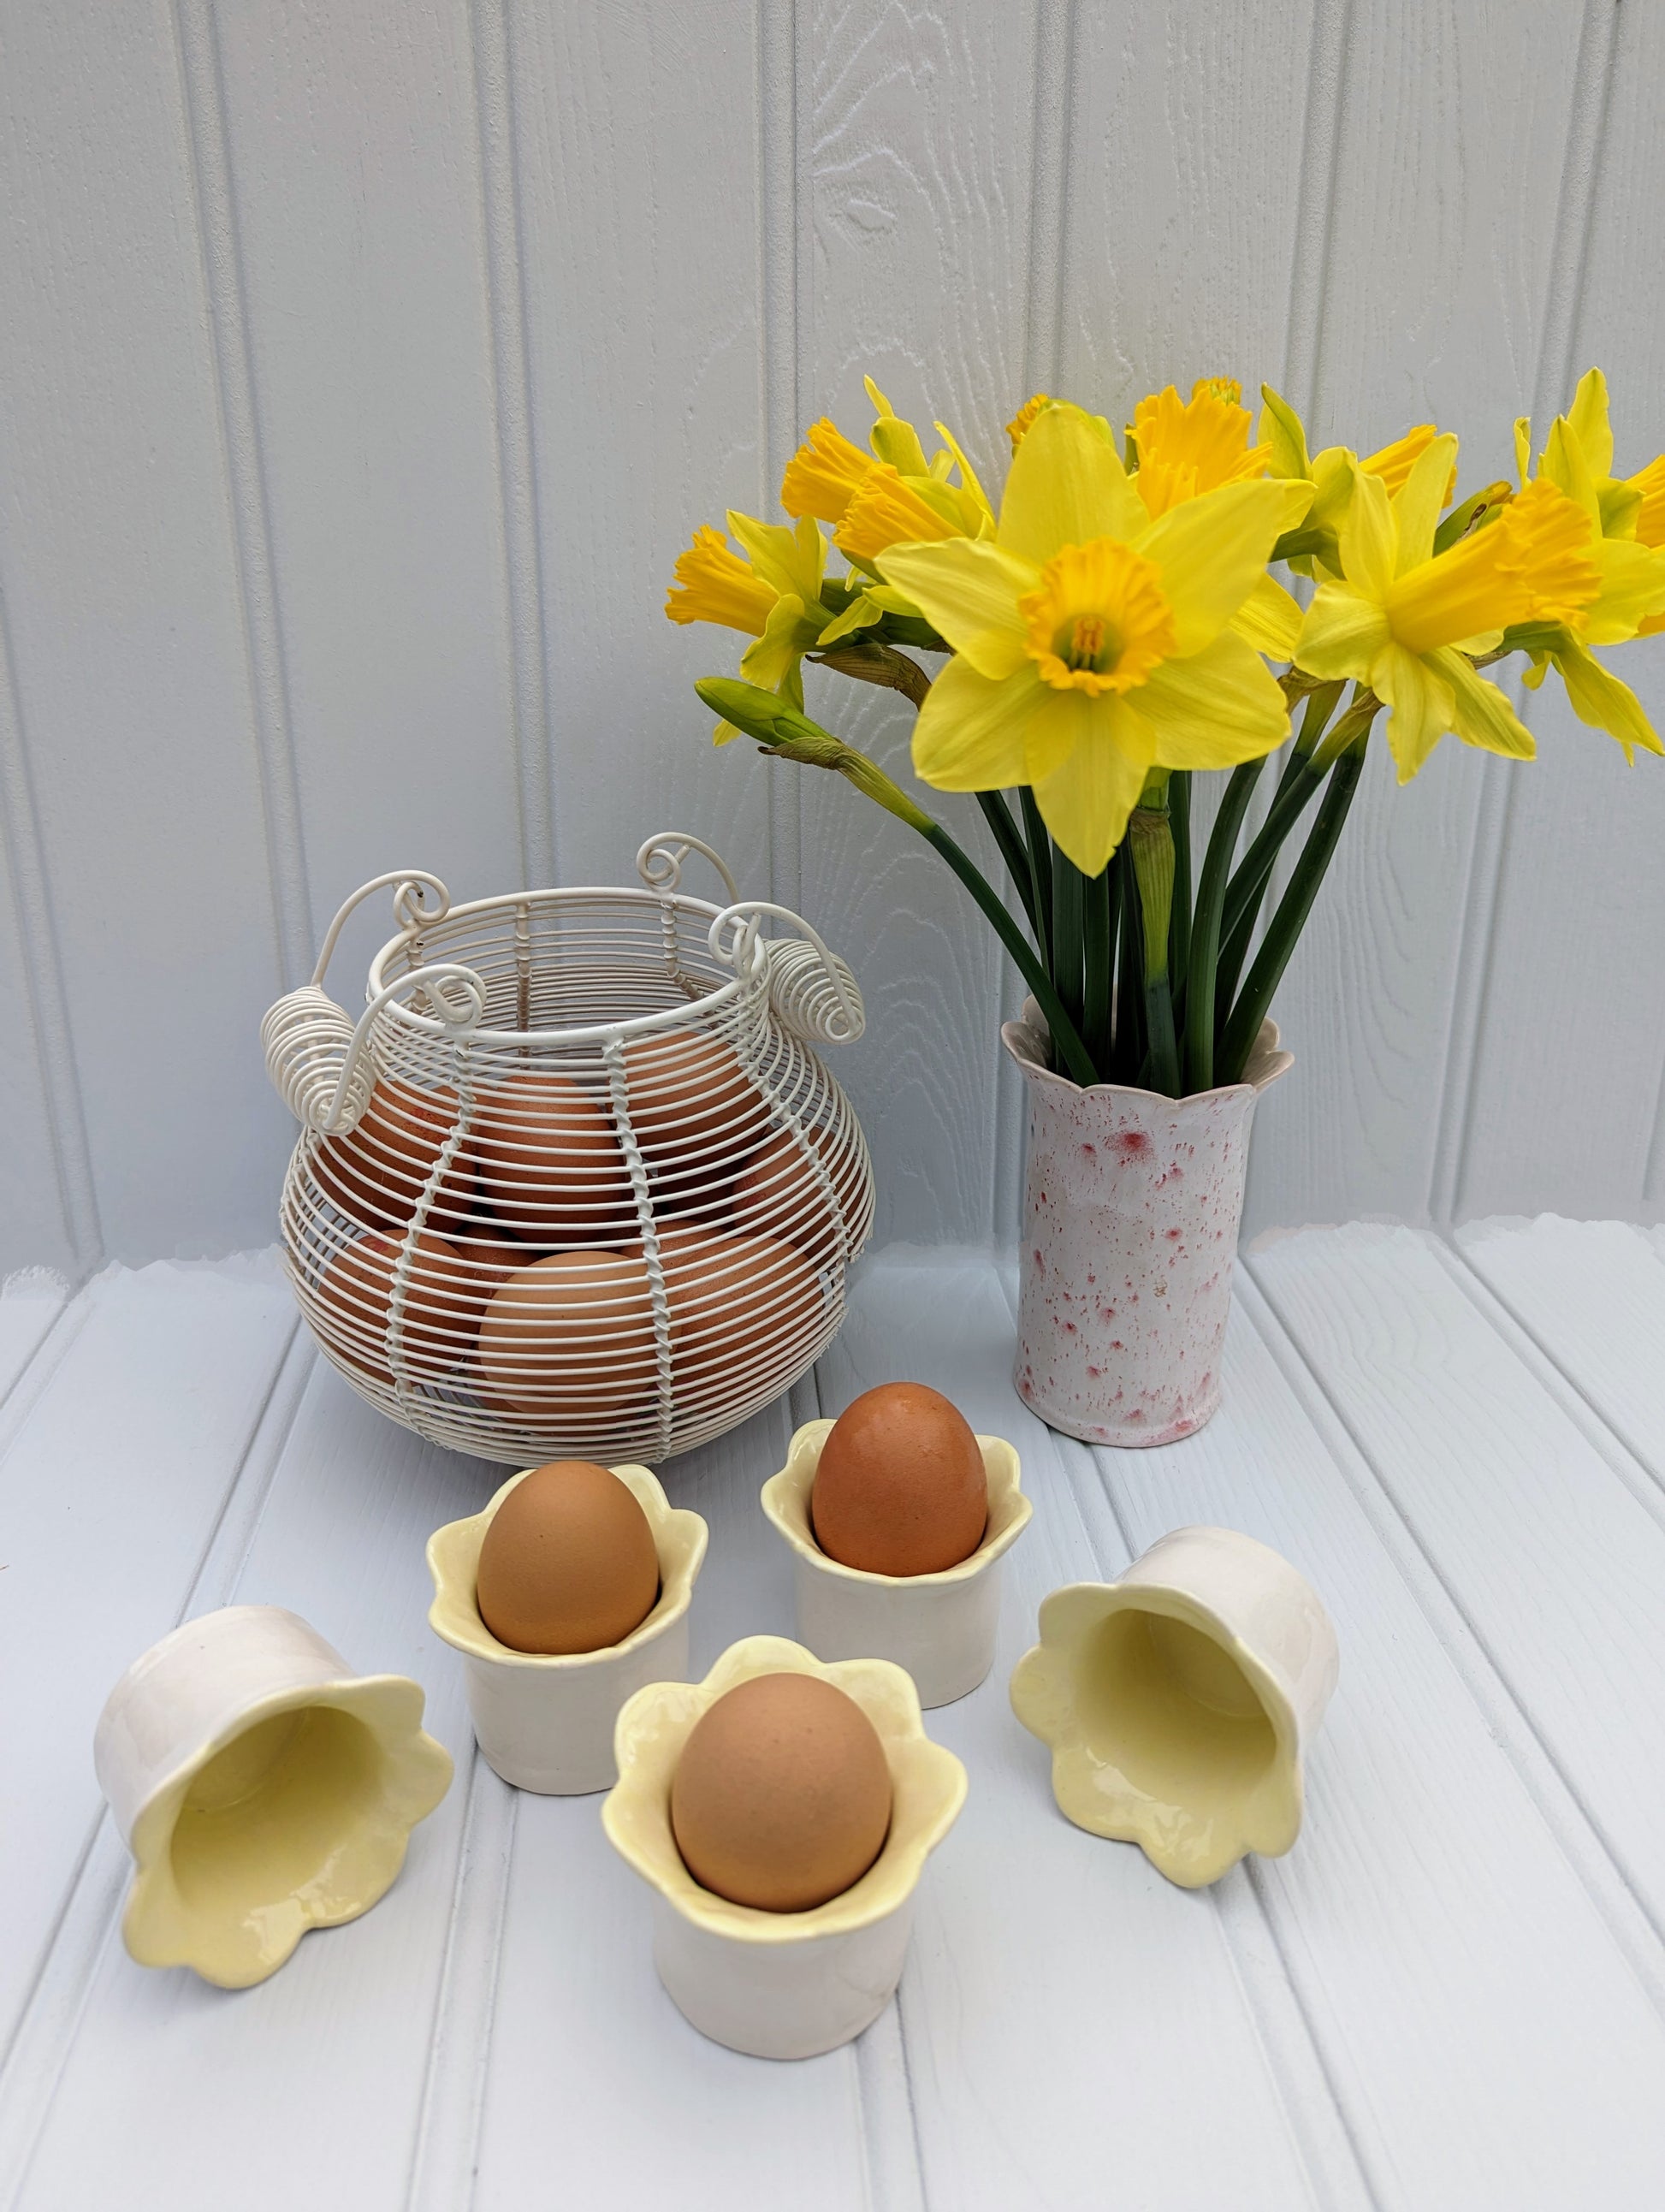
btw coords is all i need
(658, 863)
(812, 991)
(315, 1052)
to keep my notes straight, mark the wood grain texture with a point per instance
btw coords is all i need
(118, 567)
(916, 160)
(1433, 305)
(354, 155)
(1565, 1110)
(1398, 1911)
(1551, 1555)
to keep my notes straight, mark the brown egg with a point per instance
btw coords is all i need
(900, 1487)
(571, 1338)
(377, 1171)
(489, 1255)
(547, 1163)
(781, 1798)
(569, 1562)
(441, 1307)
(779, 1194)
(695, 1110)
(738, 1305)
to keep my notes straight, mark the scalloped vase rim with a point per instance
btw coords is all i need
(1021, 1039)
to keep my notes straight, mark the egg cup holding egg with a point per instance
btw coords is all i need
(545, 1720)
(781, 1985)
(942, 1626)
(262, 1787)
(1178, 1702)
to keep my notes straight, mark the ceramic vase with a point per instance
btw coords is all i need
(1132, 1204)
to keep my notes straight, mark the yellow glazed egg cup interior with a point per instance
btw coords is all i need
(786, 1499)
(454, 1560)
(1165, 1730)
(927, 1781)
(297, 1818)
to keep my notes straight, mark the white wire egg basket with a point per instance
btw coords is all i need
(575, 1184)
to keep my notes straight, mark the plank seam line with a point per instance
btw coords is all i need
(1315, 227)
(21, 1394)
(43, 975)
(490, 48)
(263, 1451)
(781, 282)
(1580, 1836)
(1570, 250)
(491, 1804)
(1248, 1978)
(214, 198)
(1051, 131)
(1599, 1428)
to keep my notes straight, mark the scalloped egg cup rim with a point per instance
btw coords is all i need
(635, 1813)
(786, 1499)
(456, 1547)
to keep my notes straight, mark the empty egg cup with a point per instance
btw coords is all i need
(262, 1787)
(1179, 1702)
(545, 1720)
(940, 1627)
(781, 1985)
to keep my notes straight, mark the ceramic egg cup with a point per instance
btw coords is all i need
(545, 1720)
(1179, 1702)
(781, 1985)
(940, 1627)
(262, 1787)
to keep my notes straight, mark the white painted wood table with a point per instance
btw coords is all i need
(1450, 1994)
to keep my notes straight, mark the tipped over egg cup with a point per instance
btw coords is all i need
(1179, 1702)
(941, 1627)
(781, 1985)
(262, 1787)
(545, 1720)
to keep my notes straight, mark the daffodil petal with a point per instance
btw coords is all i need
(792, 560)
(1369, 539)
(1480, 714)
(787, 635)
(1067, 486)
(1221, 706)
(968, 589)
(1420, 501)
(1603, 703)
(1212, 550)
(1086, 800)
(1632, 588)
(1567, 466)
(1343, 634)
(1524, 446)
(970, 734)
(860, 614)
(1269, 619)
(1421, 704)
(1587, 418)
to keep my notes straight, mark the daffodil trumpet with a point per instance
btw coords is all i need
(1110, 625)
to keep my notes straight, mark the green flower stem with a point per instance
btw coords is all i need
(1097, 950)
(1151, 841)
(1179, 927)
(1065, 1037)
(1067, 884)
(1128, 1056)
(1205, 926)
(1040, 861)
(1289, 917)
(1013, 852)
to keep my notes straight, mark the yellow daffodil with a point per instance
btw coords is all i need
(773, 594)
(896, 497)
(1025, 415)
(1091, 640)
(1185, 447)
(1405, 619)
(1334, 471)
(1622, 532)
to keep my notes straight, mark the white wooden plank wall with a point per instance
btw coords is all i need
(366, 368)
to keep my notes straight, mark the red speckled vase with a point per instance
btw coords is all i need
(1132, 1203)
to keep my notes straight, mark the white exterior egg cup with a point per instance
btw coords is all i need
(1179, 1702)
(940, 1627)
(545, 1720)
(262, 1787)
(781, 1985)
